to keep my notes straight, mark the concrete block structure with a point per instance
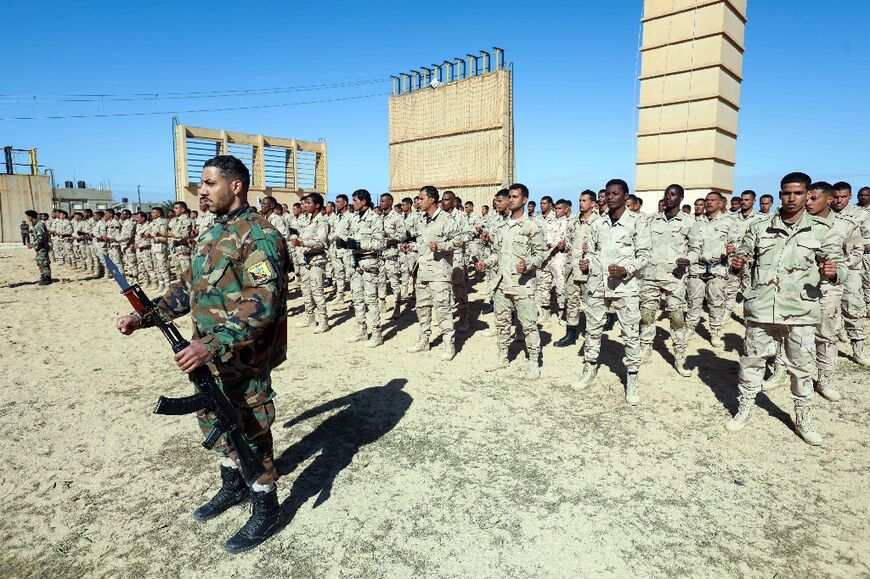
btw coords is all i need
(691, 70)
(451, 126)
(284, 168)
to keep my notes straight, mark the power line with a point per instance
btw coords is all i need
(183, 95)
(214, 110)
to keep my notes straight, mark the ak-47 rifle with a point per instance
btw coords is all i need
(209, 396)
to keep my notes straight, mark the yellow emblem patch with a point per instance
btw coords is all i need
(261, 272)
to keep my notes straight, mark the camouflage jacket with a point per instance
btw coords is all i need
(159, 228)
(861, 220)
(181, 228)
(39, 236)
(785, 280)
(394, 233)
(314, 236)
(279, 223)
(443, 230)
(576, 236)
(367, 229)
(713, 235)
(128, 233)
(64, 228)
(515, 242)
(670, 240)
(236, 292)
(113, 231)
(142, 242)
(848, 234)
(625, 243)
(100, 230)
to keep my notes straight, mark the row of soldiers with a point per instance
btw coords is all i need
(799, 271)
(149, 248)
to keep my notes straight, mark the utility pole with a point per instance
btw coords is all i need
(139, 197)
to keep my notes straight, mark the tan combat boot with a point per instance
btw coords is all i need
(803, 424)
(587, 378)
(776, 379)
(826, 389)
(859, 354)
(422, 345)
(646, 353)
(716, 338)
(680, 365)
(376, 339)
(534, 370)
(744, 413)
(360, 334)
(322, 325)
(448, 352)
(500, 362)
(307, 320)
(632, 394)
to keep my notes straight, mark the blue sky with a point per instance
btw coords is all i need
(804, 97)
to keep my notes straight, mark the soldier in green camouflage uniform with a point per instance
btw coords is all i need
(788, 257)
(235, 291)
(39, 240)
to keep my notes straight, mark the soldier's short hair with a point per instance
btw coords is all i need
(232, 169)
(388, 196)
(521, 188)
(767, 196)
(342, 196)
(504, 193)
(721, 197)
(142, 214)
(467, 203)
(678, 188)
(547, 198)
(842, 186)
(822, 186)
(272, 199)
(619, 183)
(686, 207)
(408, 200)
(749, 192)
(295, 205)
(482, 207)
(797, 177)
(127, 212)
(110, 211)
(88, 212)
(430, 191)
(316, 198)
(330, 204)
(32, 213)
(182, 203)
(99, 213)
(530, 203)
(363, 196)
(634, 198)
(589, 193)
(159, 210)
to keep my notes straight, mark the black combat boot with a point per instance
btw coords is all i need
(265, 519)
(233, 491)
(44, 280)
(569, 339)
(487, 309)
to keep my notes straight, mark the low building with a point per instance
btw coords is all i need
(72, 199)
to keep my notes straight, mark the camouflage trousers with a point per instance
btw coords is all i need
(114, 252)
(99, 250)
(434, 299)
(734, 285)
(145, 264)
(459, 281)
(409, 264)
(78, 254)
(827, 330)
(575, 300)
(311, 285)
(628, 313)
(364, 293)
(68, 254)
(131, 265)
(390, 271)
(43, 262)
(865, 281)
(714, 290)
(527, 314)
(674, 293)
(341, 268)
(87, 256)
(853, 305)
(59, 250)
(760, 343)
(252, 401)
(180, 260)
(160, 258)
(550, 277)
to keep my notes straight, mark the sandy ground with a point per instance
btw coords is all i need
(399, 465)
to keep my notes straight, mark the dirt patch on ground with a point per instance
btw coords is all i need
(401, 465)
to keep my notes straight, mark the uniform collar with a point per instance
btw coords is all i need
(238, 212)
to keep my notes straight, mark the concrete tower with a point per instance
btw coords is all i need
(691, 69)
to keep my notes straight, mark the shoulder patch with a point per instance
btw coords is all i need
(259, 268)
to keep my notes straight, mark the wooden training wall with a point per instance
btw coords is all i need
(18, 193)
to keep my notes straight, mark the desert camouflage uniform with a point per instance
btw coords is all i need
(39, 238)
(474, 249)
(87, 225)
(459, 277)
(409, 258)
(670, 239)
(576, 237)
(737, 283)
(782, 303)
(865, 271)
(99, 231)
(552, 274)
(434, 298)
(235, 291)
(625, 243)
(160, 249)
(113, 232)
(367, 229)
(342, 266)
(394, 234)
(314, 237)
(144, 262)
(182, 230)
(513, 242)
(279, 223)
(78, 255)
(710, 275)
(53, 245)
(65, 241)
(853, 300)
(204, 221)
(127, 238)
(832, 296)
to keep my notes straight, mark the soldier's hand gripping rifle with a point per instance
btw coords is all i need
(209, 396)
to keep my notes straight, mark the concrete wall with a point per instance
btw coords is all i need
(691, 70)
(75, 199)
(18, 193)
